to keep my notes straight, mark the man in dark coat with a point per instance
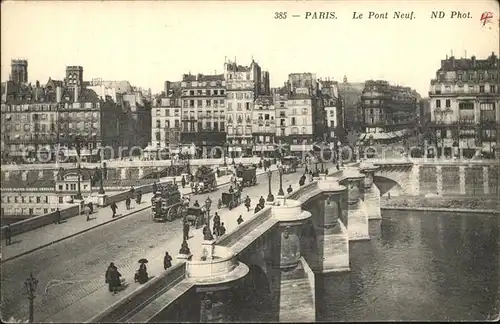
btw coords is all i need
(289, 189)
(216, 219)
(185, 230)
(8, 235)
(240, 220)
(196, 204)
(222, 229)
(155, 188)
(167, 261)
(113, 278)
(58, 216)
(262, 202)
(183, 182)
(113, 208)
(127, 203)
(247, 203)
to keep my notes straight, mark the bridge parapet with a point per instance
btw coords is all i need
(371, 192)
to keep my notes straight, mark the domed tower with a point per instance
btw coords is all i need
(19, 71)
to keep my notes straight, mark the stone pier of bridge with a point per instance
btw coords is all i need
(268, 264)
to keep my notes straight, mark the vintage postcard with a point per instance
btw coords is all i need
(250, 161)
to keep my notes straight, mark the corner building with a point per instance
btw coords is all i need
(464, 105)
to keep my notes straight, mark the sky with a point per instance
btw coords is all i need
(147, 43)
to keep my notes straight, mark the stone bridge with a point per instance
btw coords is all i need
(265, 268)
(428, 176)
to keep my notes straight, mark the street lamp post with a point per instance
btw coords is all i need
(270, 196)
(225, 153)
(30, 284)
(101, 179)
(78, 195)
(208, 235)
(281, 192)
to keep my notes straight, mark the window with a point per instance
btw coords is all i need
(46, 199)
(158, 124)
(60, 187)
(209, 103)
(448, 103)
(15, 199)
(438, 103)
(73, 186)
(481, 89)
(371, 111)
(247, 105)
(229, 106)
(38, 200)
(45, 210)
(492, 89)
(61, 200)
(22, 199)
(157, 135)
(209, 92)
(293, 121)
(239, 106)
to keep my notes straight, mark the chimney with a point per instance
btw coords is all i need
(76, 94)
(58, 94)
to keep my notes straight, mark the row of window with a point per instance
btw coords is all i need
(202, 103)
(468, 75)
(239, 106)
(204, 92)
(461, 89)
(26, 199)
(466, 105)
(185, 84)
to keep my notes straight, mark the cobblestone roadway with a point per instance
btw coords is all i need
(123, 242)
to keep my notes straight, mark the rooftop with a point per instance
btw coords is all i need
(453, 64)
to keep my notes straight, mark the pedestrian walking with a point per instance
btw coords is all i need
(185, 230)
(183, 182)
(113, 208)
(222, 229)
(262, 202)
(247, 203)
(127, 203)
(86, 210)
(8, 235)
(155, 188)
(240, 220)
(91, 206)
(58, 216)
(216, 219)
(167, 261)
(112, 278)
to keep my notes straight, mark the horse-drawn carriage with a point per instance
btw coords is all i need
(247, 176)
(204, 180)
(196, 216)
(167, 203)
(230, 199)
(290, 164)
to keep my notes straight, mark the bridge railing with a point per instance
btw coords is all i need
(50, 218)
(244, 228)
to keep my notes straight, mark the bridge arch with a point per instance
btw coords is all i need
(385, 185)
(253, 296)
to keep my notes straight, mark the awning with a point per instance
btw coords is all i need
(362, 136)
(234, 149)
(301, 147)
(151, 149)
(260, 148)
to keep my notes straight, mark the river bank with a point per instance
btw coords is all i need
(473, 203)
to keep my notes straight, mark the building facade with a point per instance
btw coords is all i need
(166, 120)
(244, 84)
(38, 122)
(264, 126)
(350, 94)
(390, 112)
(332, 105)
(19, 71)
(203, 117)
(464, 104)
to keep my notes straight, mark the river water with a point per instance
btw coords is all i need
(417, 266)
